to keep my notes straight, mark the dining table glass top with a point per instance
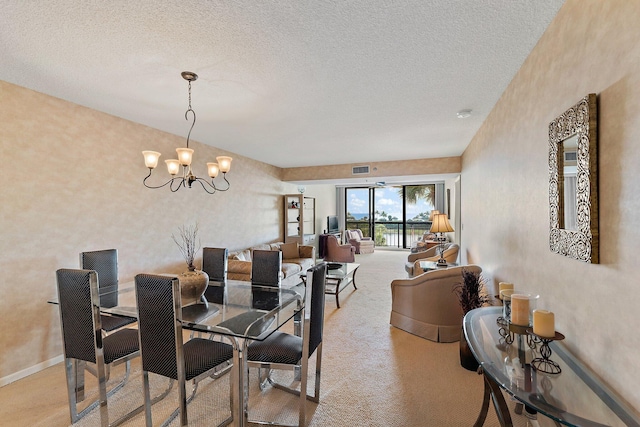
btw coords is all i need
(573, 397)
(235, 308)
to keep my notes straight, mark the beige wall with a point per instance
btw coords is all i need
(73, 182)
(591, 47)
(443, 165)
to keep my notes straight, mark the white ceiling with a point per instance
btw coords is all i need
(288, 82)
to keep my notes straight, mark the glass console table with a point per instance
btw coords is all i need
(573, 397)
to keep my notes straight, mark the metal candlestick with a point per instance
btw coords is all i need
(544, 363)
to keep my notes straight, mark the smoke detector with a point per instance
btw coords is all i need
(463, 114)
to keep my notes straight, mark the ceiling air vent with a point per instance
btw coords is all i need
(359, 170)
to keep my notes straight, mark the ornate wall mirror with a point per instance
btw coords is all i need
(573, 182)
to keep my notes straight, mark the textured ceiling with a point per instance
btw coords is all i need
(291, 83)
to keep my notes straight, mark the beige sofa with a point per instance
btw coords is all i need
(295, 259)
(426, 305)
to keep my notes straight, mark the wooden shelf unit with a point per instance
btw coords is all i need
(299, 219)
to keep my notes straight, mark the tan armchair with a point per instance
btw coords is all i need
(426, 305)
(363, 245)
(335, 252)
(412, 266)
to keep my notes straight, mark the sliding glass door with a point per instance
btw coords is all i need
(395, 216)
(358, 214)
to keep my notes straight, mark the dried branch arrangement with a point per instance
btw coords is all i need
(471, 291)
(188, 243)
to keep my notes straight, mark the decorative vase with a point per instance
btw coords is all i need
(467, 359)
(193, 283)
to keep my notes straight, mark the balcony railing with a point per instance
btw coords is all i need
(389, 233)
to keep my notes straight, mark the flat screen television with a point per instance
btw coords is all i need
(332, 224)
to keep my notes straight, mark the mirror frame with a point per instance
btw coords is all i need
(582, 243)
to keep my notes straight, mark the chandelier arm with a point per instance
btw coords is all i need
(202, 182)
(180, 184)
(224, 176)
(144, 181)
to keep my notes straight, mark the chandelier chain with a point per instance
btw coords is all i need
(189, 94)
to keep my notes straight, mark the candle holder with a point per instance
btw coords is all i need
(508, 330)
(544, 363)
(504, 332)
(518, 329)
(505, 297)
(501, 320)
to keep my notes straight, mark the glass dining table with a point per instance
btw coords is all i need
(238, 310)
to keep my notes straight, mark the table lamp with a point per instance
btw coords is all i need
(440, 224)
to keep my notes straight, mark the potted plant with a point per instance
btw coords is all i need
(471, 295)
(193, 282)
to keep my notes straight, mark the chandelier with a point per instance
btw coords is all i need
(185, 155)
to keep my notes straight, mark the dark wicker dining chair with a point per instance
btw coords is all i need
(105, 263)
(214, 263)
(82, 340)
(162, 348)
(266, 268)
(291, 352)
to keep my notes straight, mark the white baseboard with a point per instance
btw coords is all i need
(32, 370)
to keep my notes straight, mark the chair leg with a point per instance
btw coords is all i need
(316, 396)
(72, 368)
(74, 371)
(148, 402)
(147, 399)
(264, 378)
(74, 391)
(182, 395)
(102, 386)
(78, 372)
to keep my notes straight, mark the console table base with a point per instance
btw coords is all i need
(492, 393)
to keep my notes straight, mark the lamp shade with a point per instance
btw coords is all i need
(433, 213)
(184, 155)
(212, 169)
(151, 158)
(225, 163)
(440, 224)
(173, 166)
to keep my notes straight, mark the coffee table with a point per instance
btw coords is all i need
(339, 276)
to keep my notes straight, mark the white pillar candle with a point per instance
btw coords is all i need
(544, 323)
(503, 286)
(520, 309)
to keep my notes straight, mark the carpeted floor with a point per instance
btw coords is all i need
(372, 375)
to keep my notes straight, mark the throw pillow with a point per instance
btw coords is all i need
(289, 250)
